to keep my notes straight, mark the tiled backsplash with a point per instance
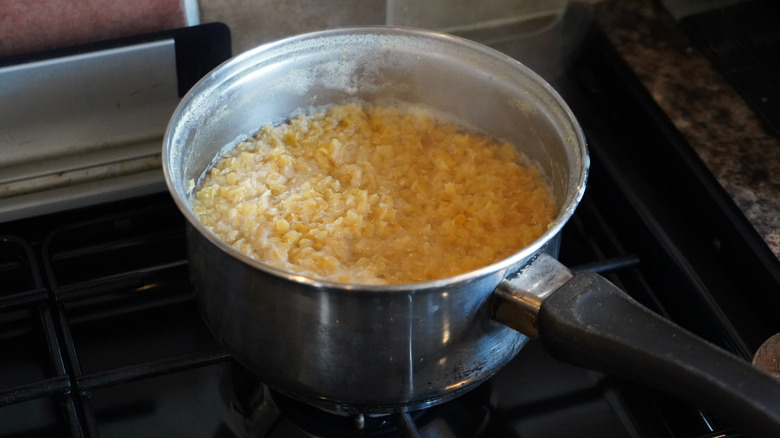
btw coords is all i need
(256, 22)
(253, 22)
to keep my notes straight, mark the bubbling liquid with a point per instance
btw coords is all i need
(373, 194)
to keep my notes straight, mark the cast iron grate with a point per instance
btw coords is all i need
(743, 42)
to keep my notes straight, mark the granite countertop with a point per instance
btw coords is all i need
(715, 120)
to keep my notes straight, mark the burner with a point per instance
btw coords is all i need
(255, 411)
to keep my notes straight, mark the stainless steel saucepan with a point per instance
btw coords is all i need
(355, 348)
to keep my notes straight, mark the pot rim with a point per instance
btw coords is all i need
(573, 196)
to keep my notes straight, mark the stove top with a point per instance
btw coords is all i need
(101, 337)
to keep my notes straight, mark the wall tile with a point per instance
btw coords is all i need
(255, 22)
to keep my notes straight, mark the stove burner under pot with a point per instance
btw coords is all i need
(252, 410)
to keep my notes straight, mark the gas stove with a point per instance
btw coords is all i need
(101, 336)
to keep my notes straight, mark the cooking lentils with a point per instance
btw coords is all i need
(374, 195)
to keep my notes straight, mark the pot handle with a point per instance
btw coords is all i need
(587, 321)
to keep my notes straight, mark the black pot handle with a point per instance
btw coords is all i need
(587, 321)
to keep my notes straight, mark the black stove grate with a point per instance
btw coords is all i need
(742, 41)
(110, 305)
(100, 336)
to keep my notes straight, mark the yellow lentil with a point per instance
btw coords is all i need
(374, 195)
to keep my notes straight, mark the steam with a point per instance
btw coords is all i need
(545, 44)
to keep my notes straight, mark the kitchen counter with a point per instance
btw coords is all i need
(714, 119)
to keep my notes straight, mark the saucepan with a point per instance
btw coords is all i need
(375, 349)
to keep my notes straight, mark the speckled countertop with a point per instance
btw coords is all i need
(715, 120)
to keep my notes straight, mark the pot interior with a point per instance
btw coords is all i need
(478, 86)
